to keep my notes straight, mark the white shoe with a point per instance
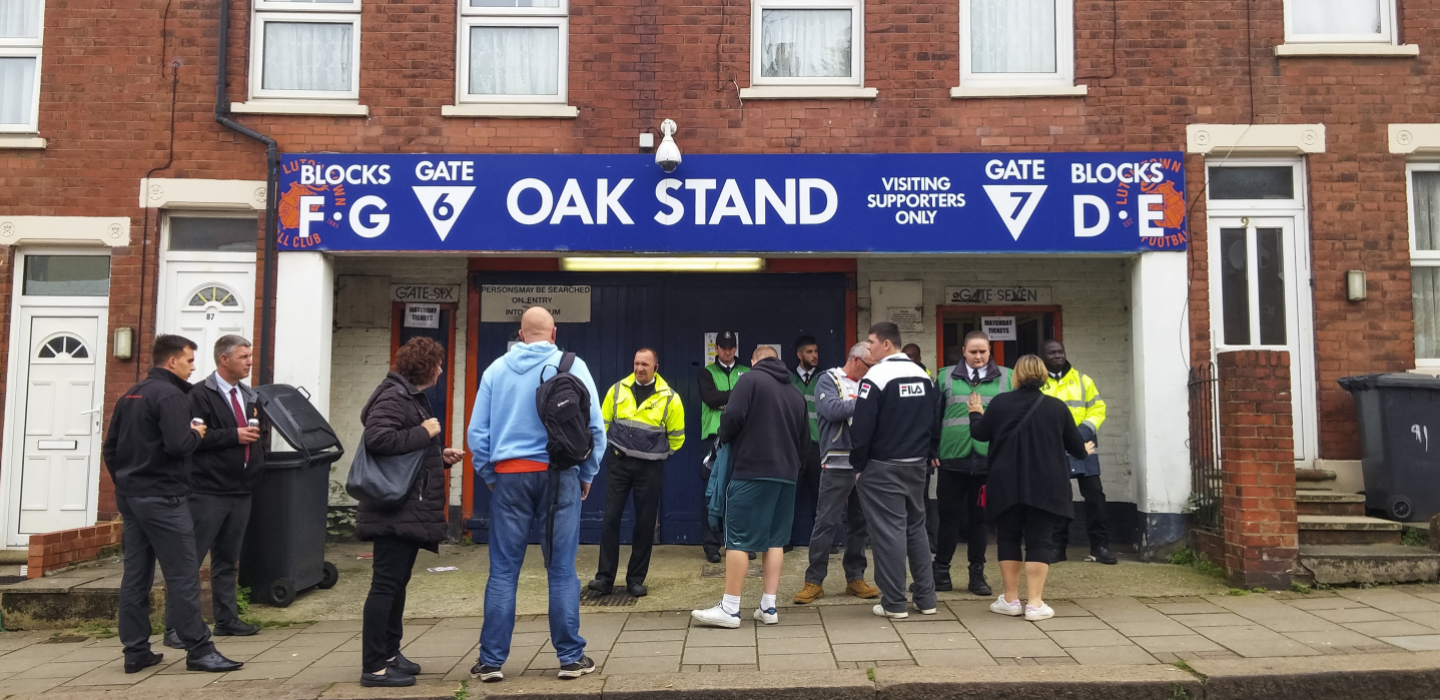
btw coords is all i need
(1034, 614)
(880, 611)
(716, 617)
(1005, 607)
(769, 617)
(927, 611)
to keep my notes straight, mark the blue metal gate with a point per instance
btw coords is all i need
(671, 312)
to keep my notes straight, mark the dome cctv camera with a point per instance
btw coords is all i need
(667, 156)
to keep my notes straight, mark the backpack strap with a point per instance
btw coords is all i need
(566, 362)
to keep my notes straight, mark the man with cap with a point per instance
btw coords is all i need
(717, 380)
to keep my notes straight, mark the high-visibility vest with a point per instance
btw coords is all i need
(1080, 395)
(653, 430)
(955, 440)
(710, 417)
(808, 391)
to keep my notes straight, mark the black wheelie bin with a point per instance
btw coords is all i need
(1401, 466)
(284, 550)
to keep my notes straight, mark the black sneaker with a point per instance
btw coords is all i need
(712, 557)
(391, 678)
(579, 668)
(942, 578)
(1102, 555)
(404, 665)
(486, 674)
(978, 585)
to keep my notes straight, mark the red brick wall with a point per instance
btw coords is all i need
(1257, 461)
(1152, 68)
(55, 550)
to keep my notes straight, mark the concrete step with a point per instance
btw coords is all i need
(1315, 475)
(1376, 563)
(1317, 502)
(1347, 529)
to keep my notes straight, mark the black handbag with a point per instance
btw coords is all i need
(382, 482)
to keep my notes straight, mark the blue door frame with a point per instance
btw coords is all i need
(671, 312)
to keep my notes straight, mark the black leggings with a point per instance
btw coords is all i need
(1036, 527)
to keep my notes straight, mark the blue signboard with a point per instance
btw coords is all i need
(842, 203)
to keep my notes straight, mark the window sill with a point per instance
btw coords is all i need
(808, 92)
(1356, 49)
(314, 109)
(970, 92)
(19, 141)
(511, 110)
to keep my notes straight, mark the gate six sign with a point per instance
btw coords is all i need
(890, 203)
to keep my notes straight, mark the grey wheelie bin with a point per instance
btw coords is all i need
(1401, 466)
(284, 550)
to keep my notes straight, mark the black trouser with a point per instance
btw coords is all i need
(159, 528)
(1096, 526)
(708, 537)
(807, 497)
(220, 523)
(394, 557)
(1034, 526)
(959, 497)
(645, 478)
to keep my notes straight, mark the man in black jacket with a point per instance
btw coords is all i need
(223, 471)
(147, 451)
(765, 422)
(893, 439)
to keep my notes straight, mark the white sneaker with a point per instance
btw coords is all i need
(880, 611)
(769, 617)
(927, 611)
(1034, 614)
(716, 617)
(1005, 607)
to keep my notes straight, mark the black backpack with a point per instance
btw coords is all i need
(564, 406)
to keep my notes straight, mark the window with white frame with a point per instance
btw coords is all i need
(305, 49)
(21, 29)
(513, 50)
(807, 42)
(1424, 185)
(1017, 43)
(1340, 21)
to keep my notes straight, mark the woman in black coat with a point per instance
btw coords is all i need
(398, 421)
(1027, 494)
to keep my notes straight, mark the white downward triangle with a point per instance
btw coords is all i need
(1015, 204)
(443, 214)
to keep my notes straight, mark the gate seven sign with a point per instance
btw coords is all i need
(838, 203)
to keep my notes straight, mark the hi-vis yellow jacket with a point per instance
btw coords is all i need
(1080, 395)
(653, 430)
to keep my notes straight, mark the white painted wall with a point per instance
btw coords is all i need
(304, 313)
(1095, 296)
(1161, 361)
(361, 356)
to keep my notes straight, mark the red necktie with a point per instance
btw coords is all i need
(240, 421)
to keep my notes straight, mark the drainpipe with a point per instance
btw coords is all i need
(272, 194)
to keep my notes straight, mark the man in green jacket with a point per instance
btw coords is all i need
(807, 490)
(963, 461)
(716, 381)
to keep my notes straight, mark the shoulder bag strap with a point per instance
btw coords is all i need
(1016, 425)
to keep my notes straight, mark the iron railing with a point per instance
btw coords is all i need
(1206, 494)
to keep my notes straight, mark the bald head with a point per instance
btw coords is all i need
(537, 326)
(762, 352)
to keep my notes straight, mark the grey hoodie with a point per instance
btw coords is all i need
(834, 408)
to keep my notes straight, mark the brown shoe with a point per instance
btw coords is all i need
(809, 594)
(860, 589)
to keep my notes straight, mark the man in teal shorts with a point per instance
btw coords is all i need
(766, 423)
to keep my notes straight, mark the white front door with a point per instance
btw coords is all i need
(62, 422)
(1260, 300)
(205, 300)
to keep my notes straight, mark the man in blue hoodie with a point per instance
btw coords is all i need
(508, 442)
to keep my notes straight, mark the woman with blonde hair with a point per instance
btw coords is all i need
(1028, 491)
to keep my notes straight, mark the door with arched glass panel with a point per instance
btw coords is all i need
(208, 282)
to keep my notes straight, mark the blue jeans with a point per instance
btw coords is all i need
(520, 500)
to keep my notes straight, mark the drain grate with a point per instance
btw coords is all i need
(709, 570)
(614, 599)
(7, 580)
(69, 639)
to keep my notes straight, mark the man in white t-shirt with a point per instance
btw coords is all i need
(835, 394)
